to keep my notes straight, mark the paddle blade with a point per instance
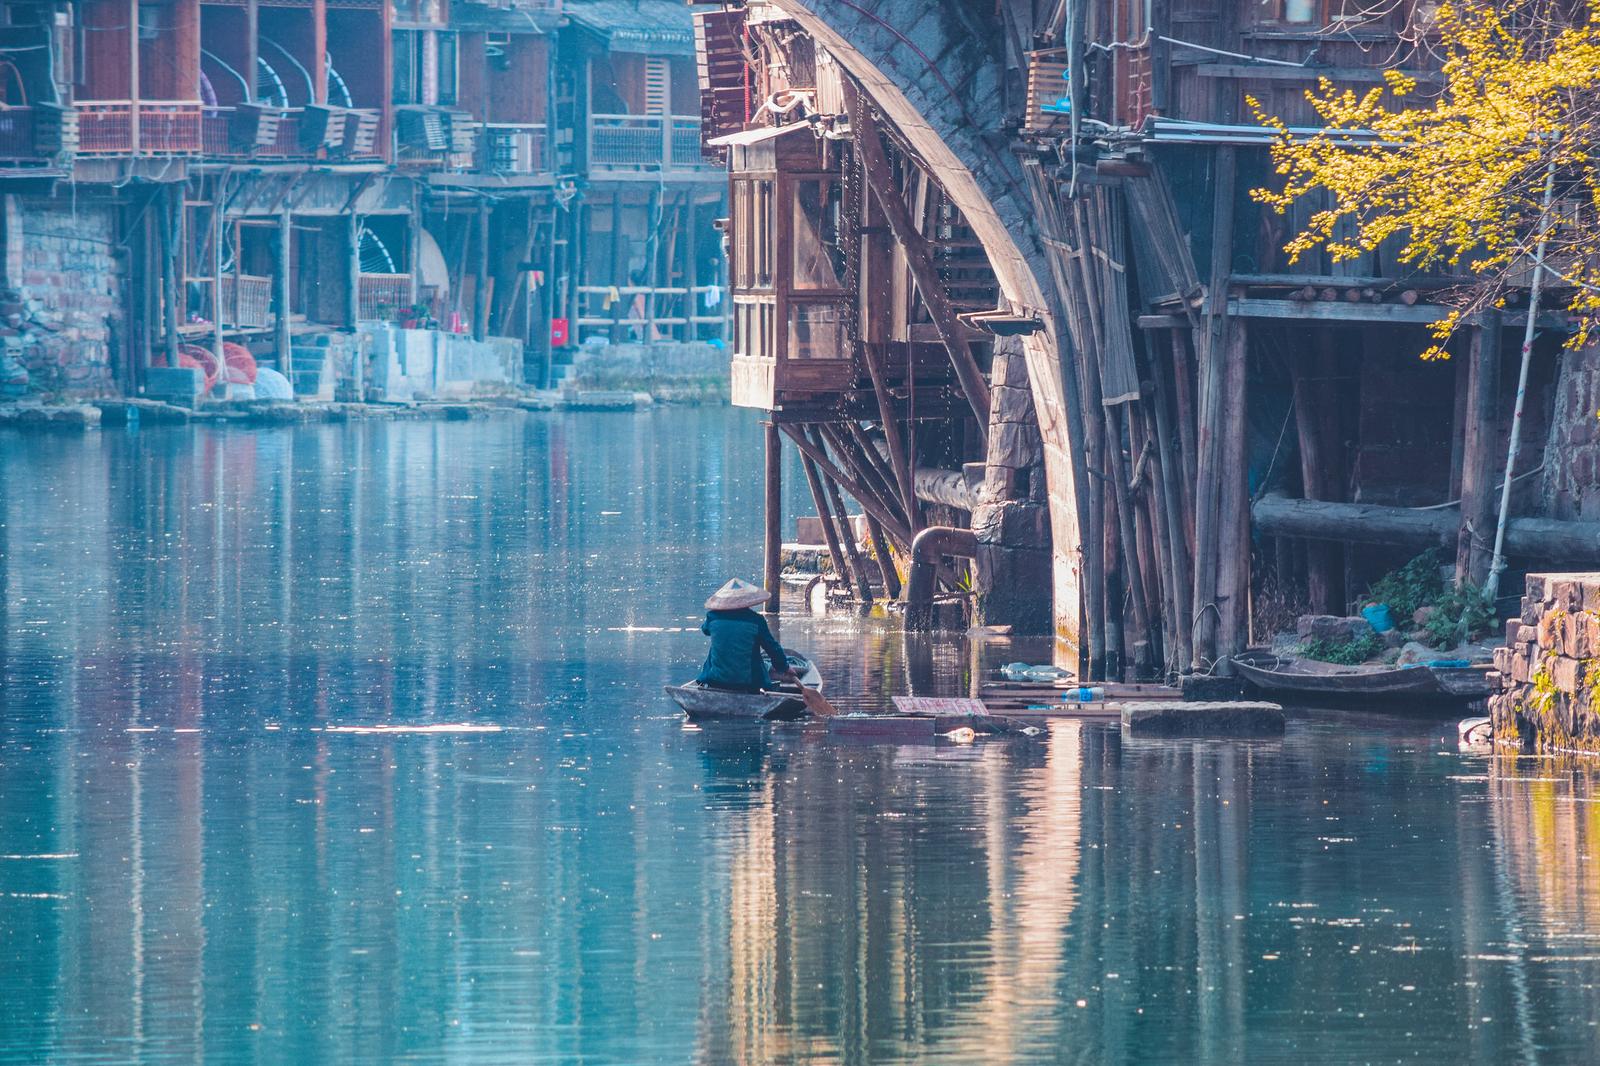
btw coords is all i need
(816, 703)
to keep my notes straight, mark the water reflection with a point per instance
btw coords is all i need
(194, 865)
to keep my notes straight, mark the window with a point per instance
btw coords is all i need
(818, 259)
(411, 67)
(816, 331)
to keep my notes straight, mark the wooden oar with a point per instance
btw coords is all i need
(816, 702)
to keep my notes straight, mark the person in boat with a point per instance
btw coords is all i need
(739, 640)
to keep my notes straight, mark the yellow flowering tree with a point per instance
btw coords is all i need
(1457, 178)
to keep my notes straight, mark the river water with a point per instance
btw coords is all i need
(208, 852)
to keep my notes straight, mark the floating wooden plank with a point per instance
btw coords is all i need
(937, 705)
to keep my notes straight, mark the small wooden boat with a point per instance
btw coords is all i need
(778, 702)
(1309, 678)
(1464, 682)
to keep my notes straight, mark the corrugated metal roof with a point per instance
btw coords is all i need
(658, 26)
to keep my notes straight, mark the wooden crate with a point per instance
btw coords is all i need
(1047, 83)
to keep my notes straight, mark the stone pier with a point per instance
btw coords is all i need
(1549, 669)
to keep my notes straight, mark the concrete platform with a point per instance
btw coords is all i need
(1176, 718)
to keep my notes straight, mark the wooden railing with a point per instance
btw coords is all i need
(143, 127)
(667, 313)
(377, 292)
(645, 142)
(18, 135)
(246, 301)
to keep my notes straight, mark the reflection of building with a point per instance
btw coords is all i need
(344, 189)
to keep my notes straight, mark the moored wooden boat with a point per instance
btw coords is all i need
(779, 702)
(1309, 678)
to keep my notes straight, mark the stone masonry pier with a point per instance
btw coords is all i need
(1549, 669)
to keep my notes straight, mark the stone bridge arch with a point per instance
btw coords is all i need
(934, 69)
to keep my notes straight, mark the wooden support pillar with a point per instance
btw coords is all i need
(830, 533)
(1312, 399)
(1216, 336)
(171, 219)
(898, 456)
(1233, 503)
(869, 500)
(772, 556)
(880, 548)
(480, 274)
(252, 44)
(220, 389)
(852, 547)
(619, 271)
(352, 303)
(1171, 503)
(282, 339)
(1475, 541)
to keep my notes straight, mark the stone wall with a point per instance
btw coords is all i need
(60, 314)
(1570, 486)
(668, 371)
(1549, 670)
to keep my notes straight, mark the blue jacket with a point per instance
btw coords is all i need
(737, 640)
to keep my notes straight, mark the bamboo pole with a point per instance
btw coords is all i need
(1172, 477)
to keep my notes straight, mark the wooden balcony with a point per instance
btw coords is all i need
(140, 127)
(640, 313)
(645, 144)
(37, 136)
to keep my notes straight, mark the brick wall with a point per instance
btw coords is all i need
(57, 316)
(1549, 669)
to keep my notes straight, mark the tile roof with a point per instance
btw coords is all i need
(637, 25)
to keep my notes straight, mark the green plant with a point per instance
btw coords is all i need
(1342, 652)
(1413, 585)
(1458, 614)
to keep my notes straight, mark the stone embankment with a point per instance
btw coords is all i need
(1548, 673)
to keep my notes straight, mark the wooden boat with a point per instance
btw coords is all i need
(1464, 682)
(779, 702)
(1311, 679)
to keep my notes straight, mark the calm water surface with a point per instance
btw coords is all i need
(206, 853)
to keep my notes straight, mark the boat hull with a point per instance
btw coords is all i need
(1312, 681)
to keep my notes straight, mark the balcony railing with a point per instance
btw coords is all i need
(144, 127)
(645, 142)
(379, 296)
(18, 138)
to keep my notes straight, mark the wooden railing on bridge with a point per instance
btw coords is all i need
(661, 314)
(645, 142)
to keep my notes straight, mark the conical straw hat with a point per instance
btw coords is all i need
(736, 594)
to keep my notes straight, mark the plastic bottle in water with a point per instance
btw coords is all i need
(1085, 694)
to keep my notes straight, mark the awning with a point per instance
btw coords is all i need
(761, 133)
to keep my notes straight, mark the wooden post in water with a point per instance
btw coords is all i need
(772, 561)
(880, 548)
(281, 337)
(1233, 503)
(171, 221)
(480, 275)
(852, 549)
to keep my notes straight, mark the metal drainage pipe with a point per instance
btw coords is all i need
(930, 545)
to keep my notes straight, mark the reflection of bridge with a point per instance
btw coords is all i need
(1086, 316)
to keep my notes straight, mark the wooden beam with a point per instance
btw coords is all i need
(875, 168)
(889, 420)
(830, 533)
(891, 524)
(1264, 72)
(852, 548)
